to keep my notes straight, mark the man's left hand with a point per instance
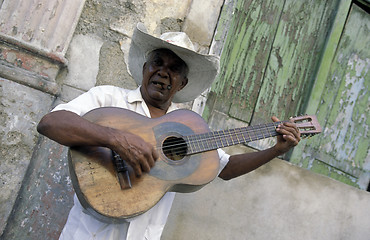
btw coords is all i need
(290, 136)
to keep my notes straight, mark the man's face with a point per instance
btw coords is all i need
(164, 74)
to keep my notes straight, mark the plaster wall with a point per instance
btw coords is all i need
(36, 192)
(277, 201)
(20, 112)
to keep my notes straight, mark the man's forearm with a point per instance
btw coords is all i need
(69, 129)
(244, 163)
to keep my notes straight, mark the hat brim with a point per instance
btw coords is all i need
(203, 69)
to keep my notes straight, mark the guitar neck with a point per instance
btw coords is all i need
(218, 139)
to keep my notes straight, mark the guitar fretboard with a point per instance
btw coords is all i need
(225, 138)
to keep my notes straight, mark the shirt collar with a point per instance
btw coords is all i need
(135, 96)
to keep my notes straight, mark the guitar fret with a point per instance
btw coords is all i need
(272, 130)
(245, 134)
(248, 134)
(214, 140)
(229, 140)
(209, 143)
(189, 146)
(192, 144)
(262, 133)
(231, 137)
(226, 141)
(227, 137)
(242, 136)
(216, 136)
(253, 134)
(269, 132)
(197, 142)
(202, 143)
(219, 140)
(236, 135)
(212, 144)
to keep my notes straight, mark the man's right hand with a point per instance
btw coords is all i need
(134, 150)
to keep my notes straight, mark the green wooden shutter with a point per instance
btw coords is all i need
(342, 150)
(290, 57)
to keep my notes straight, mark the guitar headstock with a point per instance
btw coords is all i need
(307, 125)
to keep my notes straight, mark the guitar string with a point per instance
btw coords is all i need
(253, 131)
(178, 146)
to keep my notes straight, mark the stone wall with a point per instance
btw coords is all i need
(43, 63)
(20, 112)
(36, 192)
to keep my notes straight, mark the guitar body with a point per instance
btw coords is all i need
(94, 175)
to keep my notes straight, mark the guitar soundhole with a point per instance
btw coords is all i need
(174, 148)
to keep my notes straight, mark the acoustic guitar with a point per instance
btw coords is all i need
(188, 159)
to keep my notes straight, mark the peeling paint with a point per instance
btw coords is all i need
(264, 75)
(269, 60)
(345, 103)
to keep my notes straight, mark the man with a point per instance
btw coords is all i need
(169, 70)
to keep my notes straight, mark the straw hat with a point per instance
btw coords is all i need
(202, 68)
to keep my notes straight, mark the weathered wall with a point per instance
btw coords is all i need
(19, 112)
(36, 190)
(32, 48)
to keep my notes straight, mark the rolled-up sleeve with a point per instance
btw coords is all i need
(224, 159)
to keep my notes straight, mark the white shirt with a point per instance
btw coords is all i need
(148, 225)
